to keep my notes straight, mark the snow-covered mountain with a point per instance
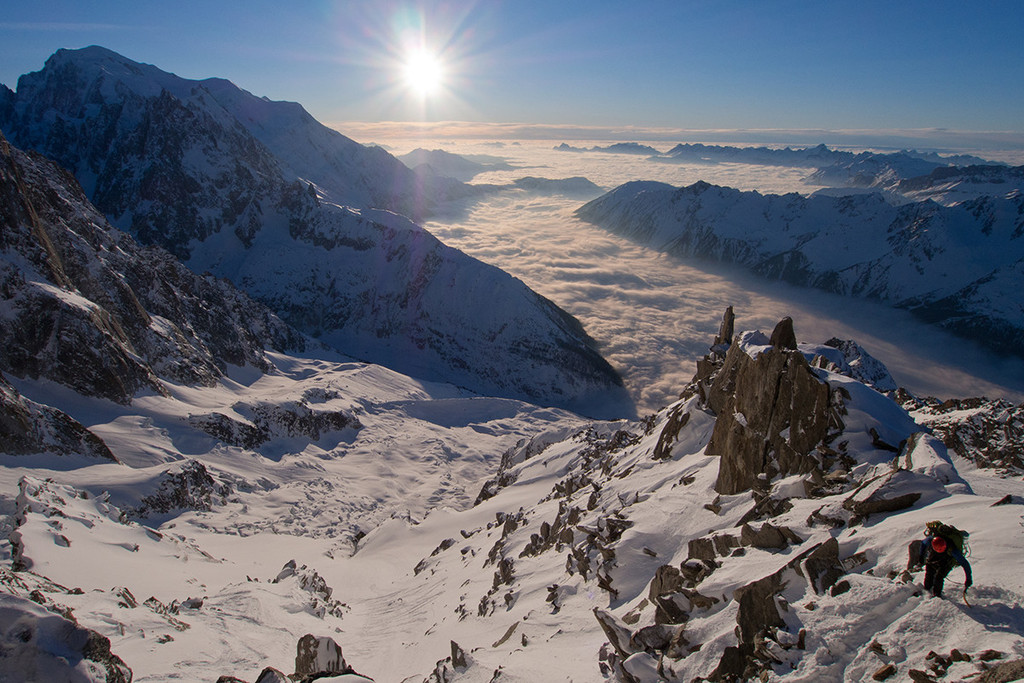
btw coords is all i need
(449, 164)
(961, 267)
(951, 185)
(85, 306)
(123, 127)
(852, 167)
(260, 193)
(756, 529)
(192, 490)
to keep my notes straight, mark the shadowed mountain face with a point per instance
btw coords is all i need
(88, 307)
(260, 193)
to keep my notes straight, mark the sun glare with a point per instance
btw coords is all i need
(423, 72)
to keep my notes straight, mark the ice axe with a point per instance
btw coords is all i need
(965, 597)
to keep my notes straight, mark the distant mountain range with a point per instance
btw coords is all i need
(303, 219)
(960, 267)
(820, 156)
(897, 173)
(615, 148)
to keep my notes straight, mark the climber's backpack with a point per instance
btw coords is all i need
(957, 537)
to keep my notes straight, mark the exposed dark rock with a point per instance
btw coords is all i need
(656, 637)
(272, 675)
(757, 608)
(885, 672)
(458, 656)
(677, 419)
(768, 536)
(667, 579)
(319, 656)
(784, 336)
(773, 413)
(618, 635)
(726, 330)
(189, 488)
(669, 610)
(821, 566)
(883, 494)
(29, 427)
(1004, 672)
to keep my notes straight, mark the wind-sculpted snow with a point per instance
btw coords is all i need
(959, 267)
(260, 193)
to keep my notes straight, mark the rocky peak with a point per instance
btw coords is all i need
(773, 410)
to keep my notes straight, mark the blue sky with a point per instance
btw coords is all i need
(680, 64)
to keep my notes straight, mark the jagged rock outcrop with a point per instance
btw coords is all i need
(39, 645)
(28, 427)
(319, 655)
(255, 424)
(190, 487)
(320, 602)
(988, 432)
(773, 412)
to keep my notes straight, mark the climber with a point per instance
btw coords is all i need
(938, 552)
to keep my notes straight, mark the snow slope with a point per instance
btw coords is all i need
(597, 550)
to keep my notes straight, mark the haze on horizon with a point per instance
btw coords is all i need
(943, 73)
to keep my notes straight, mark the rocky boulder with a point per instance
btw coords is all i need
(319, 655)
(38, 645)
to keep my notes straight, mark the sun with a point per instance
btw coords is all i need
(423, 72)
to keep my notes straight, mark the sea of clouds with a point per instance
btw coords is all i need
(653, 315)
